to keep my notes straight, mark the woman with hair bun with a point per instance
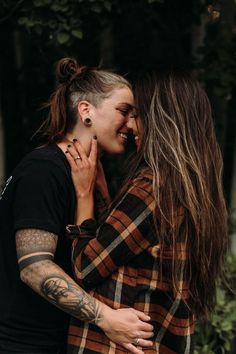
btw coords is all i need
(161, 247)
(37, 204)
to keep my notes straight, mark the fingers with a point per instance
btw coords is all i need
(76, 150)
(72, 154)
(93, 151)
(71, 160)
(146, 327)
(142, 343)
(145, 343)
(145, 335)
(132, 349)
(142, 316)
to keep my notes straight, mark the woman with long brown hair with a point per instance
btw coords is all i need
(162, 246)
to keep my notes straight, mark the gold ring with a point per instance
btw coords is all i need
(137, 341)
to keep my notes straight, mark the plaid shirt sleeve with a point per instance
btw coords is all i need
(124, 235)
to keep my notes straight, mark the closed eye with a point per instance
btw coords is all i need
(124, 112)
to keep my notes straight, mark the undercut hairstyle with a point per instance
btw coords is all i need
(179, 145)
(74, 84)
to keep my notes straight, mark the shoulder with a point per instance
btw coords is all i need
(145, 174)
(50, 153)
(43, 161)
(141, 187)
(143, 180)
(42, 169)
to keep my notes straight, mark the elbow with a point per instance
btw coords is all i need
(26, 275)
(31, 274)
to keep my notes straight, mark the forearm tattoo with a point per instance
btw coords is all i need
(71, 299)
(35, 251)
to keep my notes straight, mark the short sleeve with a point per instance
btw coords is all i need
(41, 197)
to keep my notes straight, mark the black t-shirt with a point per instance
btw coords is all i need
(38, 195)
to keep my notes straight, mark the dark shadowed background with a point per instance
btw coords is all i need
(128, 36)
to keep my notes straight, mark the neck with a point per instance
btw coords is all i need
(84, 139)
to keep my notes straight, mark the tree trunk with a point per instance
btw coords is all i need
(106, 48)
(233, 204)
(198, 35)
(2, 153)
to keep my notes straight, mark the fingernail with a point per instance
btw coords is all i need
(95, 137)
(74, 140)
(68, 146)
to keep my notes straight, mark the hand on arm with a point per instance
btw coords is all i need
(35, 252)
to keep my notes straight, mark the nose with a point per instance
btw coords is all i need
(130, 123)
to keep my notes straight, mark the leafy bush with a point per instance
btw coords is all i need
(218, 335)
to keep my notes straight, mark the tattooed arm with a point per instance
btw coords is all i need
(35, 252)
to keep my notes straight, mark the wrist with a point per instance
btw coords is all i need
(105, 312)
(85, 208)
(84, 195)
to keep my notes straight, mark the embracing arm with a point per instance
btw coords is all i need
(35, 252)
(126, 233)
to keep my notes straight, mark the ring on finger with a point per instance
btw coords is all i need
(136, 342)
(77, 158)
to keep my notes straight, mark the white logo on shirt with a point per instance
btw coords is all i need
(7, 182)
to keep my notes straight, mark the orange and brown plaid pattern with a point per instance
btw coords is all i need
(120, 267)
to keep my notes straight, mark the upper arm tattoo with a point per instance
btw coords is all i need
(34, 245)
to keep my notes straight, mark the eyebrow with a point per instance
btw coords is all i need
(128, 105)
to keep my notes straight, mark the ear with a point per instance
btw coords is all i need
(84, 108)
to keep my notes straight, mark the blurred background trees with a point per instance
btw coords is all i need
(129, 36)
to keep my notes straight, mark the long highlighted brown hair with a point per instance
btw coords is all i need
(180, 147)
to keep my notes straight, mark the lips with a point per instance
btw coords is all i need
(123, 135)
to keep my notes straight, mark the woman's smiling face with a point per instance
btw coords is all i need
(110, 118)
(134, 125)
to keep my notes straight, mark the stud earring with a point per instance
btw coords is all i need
(88, 122)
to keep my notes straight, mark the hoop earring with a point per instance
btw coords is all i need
(88, 122)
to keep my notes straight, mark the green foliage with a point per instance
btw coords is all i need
(62, 22)
(217, 335)
(219, 64)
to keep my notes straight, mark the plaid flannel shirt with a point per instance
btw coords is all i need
(120, 267)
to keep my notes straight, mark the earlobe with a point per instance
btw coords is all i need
(88, 122)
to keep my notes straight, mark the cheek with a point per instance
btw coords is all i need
(106, 131)
(107, 125)
(113, 126)
(139, 126)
